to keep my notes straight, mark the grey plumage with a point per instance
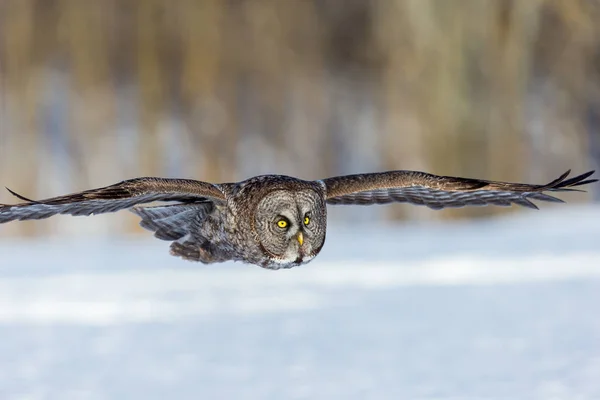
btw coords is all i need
(274, 221)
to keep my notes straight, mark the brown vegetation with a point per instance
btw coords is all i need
(92, 92)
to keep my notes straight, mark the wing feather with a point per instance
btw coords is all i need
(122, 195)
(439, 192)
(173, 221)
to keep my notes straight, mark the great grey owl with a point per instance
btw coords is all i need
(274, 221)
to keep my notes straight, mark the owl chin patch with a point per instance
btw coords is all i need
(278, 263)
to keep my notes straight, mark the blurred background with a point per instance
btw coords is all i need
(94, 92)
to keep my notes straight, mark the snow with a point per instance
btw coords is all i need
(503, 308)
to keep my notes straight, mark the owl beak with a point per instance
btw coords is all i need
(300, 238)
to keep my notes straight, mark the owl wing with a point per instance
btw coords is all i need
(439, 192)
(112, 198)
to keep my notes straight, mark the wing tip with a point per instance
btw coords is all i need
(563, 184)
(18, 196)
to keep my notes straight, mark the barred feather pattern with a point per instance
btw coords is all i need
(112, 198)
(41, 210)
(206, 240)
(439, 192)
(185, 225)
(172, 222)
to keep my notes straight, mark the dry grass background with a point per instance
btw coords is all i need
(93, 92)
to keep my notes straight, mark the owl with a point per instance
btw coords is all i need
(274, 221)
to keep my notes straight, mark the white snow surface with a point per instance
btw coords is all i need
(505, 308)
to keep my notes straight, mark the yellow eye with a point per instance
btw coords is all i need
(282, 223)
(306, 220)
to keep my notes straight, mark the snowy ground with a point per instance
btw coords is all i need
(499, 309)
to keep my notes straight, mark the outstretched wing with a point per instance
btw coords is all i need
(112, 198)
(439, 192)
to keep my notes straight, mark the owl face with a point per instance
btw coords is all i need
(291, 226)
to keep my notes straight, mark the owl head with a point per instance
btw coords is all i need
(291, 226)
